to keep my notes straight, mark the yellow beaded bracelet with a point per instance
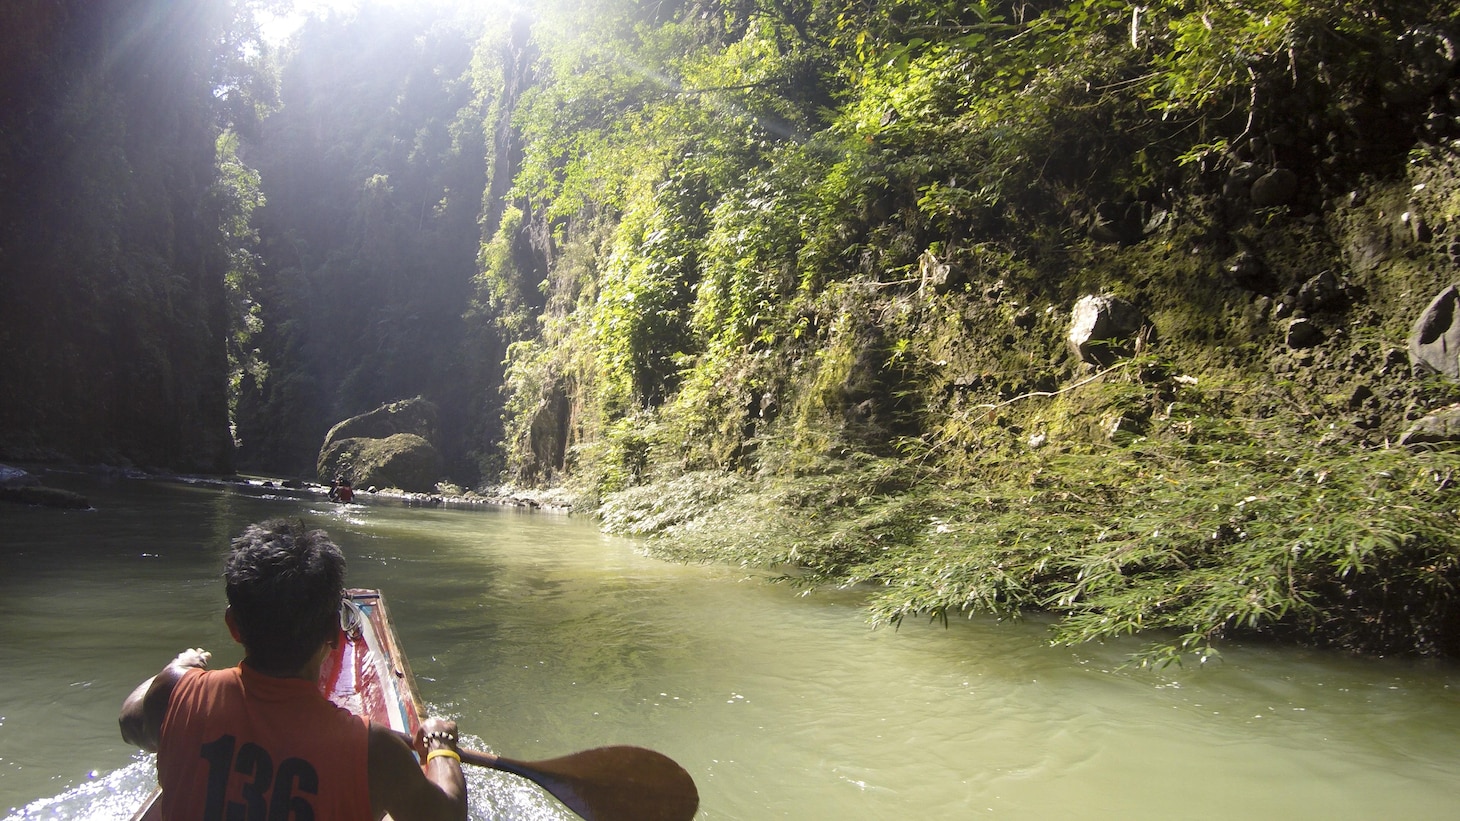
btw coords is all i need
(444, 753)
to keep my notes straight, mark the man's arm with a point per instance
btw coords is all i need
(401, 787)
(144, 710)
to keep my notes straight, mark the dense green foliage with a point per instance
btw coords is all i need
(749, 182)
(1223, 536)
(813, 263)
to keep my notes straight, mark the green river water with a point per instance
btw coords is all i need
(541, 636)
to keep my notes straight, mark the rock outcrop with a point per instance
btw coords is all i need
(1104, 329)
(1441, 427)
(1434, 343)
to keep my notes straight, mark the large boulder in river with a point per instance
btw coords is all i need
(391, 446)
(403, 460)
(416, 416)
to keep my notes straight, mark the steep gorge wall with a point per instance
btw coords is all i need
(112, 304)
(1281, 272)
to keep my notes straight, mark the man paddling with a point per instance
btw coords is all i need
(260, 740)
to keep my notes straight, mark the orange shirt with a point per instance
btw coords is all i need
(238, 744)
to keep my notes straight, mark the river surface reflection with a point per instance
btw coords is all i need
(542, 636)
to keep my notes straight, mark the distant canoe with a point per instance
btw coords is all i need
(366, 674)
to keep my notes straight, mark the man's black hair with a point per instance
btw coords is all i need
(284, 583)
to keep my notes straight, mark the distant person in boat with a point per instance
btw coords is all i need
(342, 490)
(259, 740)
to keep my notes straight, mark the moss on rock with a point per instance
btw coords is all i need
(404, 461)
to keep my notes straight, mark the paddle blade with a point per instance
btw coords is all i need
(619, 783)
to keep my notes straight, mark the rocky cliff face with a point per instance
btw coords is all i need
(1053, 253)
(1333, 316)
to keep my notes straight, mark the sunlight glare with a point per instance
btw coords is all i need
(277, 26)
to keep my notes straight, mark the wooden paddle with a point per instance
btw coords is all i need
(608, 783)
(619, 783)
